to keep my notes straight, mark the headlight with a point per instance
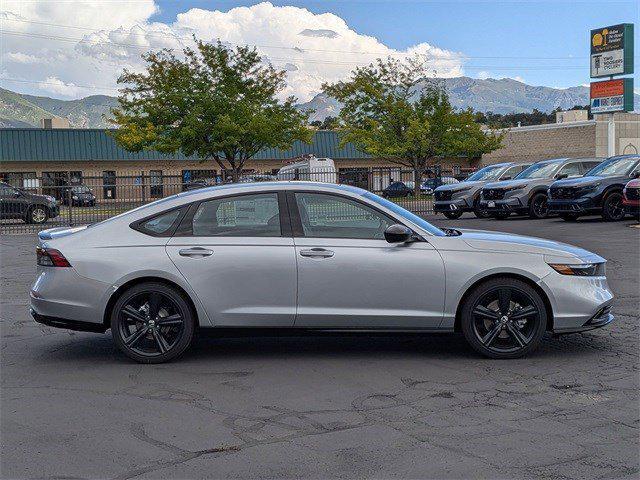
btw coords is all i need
(461, 190)
(589, 188)
(519, 187)
(50, 198)
(75, 197)
(584, 270)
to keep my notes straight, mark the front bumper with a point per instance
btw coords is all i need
(54, 211)
(512, 204)
(459, 205)
(577, 205)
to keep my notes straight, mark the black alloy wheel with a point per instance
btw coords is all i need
(504, 318)
(152, 323)
(37, 214)
(479, 211)
(453, 214)
(538, 206)
(613, 208)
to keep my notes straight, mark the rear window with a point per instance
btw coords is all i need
(162, 224)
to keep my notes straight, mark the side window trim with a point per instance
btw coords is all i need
(296, 220)
(185, 228)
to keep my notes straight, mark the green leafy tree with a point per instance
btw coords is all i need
(391, 111)
(215, 102)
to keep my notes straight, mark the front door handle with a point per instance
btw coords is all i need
(195, 252)
(317, 253)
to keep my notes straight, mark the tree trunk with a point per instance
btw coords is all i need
(417, 180)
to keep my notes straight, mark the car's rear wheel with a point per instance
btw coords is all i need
(37, 214)
(453, 214)
(152, 323)
(538, 206)
(503, 318)
(613, 208)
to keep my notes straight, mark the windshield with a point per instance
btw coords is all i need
(398, 210)
(80, 189)
(486, 173)
(613, 167)
(539, 170)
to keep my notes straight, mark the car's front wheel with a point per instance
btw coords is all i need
(453, 214)
(613, 208)
(503, 318)
(152, 323)
(538, 206)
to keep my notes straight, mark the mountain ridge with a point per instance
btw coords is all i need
(504, 95)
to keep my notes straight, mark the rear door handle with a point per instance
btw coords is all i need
(316, 253)
(195, 252)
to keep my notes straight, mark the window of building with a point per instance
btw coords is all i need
(156, 183)
(109, 184)
(198, 178)
(240, 216)
(24, 180)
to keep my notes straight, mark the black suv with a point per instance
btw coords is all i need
(598, 192)
(32, 208)
(78, 196)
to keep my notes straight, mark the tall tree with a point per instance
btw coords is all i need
(392, 111)
(215, 102)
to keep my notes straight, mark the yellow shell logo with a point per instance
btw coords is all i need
(597, 40)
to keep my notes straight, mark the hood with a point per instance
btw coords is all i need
(38, 197)
(460, 186)
(579, 181)
(509, 183)
(507, 242)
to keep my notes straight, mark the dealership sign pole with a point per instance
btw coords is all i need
(612, 54)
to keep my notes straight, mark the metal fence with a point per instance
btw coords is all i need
(80, 200)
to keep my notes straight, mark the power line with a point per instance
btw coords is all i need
(290, 59)
(298, 49)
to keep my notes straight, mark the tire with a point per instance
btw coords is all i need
(612, 208)
(479, 212)
(569, 217)
(452, 215)
(495, 333)
(500, 215)
(152, 323)
(538, 206)
(38, 214)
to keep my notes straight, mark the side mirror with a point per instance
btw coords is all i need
(560, 176)
(508, 177)
(398, 234)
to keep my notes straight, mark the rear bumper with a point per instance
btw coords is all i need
(76, 325)
(578, 205)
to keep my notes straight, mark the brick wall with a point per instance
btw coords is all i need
(540, 142)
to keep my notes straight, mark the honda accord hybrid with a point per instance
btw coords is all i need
(308, 256)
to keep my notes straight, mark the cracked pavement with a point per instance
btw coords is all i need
(330, 406)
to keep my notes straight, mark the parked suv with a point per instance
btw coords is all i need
(526, 194)
(78, 195)
(454, 200)
(631, 197)
(397, 189)
(32, 208)
(598, 192)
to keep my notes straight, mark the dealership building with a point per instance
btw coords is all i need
(37, 158)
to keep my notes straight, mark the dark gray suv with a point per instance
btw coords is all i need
(453, 200)
(526, 194)
(30, 207)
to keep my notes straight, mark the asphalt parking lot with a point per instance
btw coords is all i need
(333, 406)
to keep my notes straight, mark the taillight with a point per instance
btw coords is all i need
(50, 257)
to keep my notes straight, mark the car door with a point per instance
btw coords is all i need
(237, 254)
(12, 202)
(350, 277)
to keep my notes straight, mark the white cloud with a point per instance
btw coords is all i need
(313, 48)
(483, 75)
(19, 57)
(56, 86)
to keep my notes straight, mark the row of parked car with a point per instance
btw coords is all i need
(568, 187)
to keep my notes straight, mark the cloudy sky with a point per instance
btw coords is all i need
(75, 48)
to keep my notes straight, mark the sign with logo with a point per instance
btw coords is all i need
(612, 96)
(612, 50)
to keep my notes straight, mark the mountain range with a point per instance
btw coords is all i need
(503, 95)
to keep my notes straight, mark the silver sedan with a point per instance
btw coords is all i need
(308, 256)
